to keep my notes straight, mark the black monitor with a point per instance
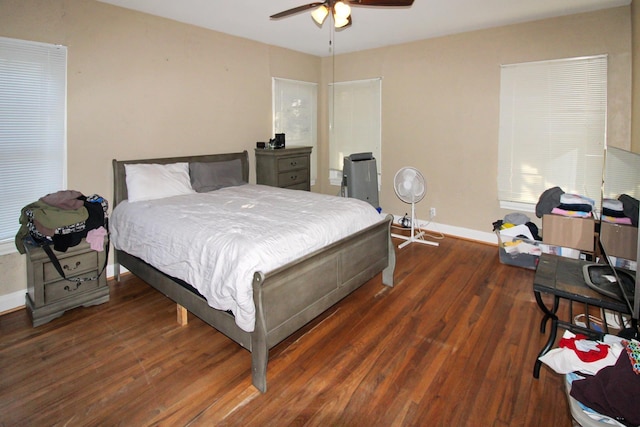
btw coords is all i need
(619, 283)
(614, 282)
(619, 242)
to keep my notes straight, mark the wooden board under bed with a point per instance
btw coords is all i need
(285, 299)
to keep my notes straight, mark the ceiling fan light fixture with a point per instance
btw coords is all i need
(341, 10)
(341, 22)
(320, 14)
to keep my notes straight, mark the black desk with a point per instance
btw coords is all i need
(563, 278)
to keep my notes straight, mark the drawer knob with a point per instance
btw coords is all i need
(68, 288)
(294, 177)
(67, 267)
(293, 163)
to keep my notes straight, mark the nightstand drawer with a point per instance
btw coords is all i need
(287, 179)
(72, 266)
(49, 295)
(293, 163)
(65, 289)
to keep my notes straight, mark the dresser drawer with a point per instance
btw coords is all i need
(287, 179)
(72, 266)
(300, 186)
(284, 168)
(293, 163)
(65, 289)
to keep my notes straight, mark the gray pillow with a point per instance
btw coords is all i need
(215, 175)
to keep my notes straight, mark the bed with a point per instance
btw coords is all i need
(284, 298)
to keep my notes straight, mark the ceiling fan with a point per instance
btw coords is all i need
(340, 9)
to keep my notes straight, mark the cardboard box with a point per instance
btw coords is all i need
(568, 232)
(619, 240)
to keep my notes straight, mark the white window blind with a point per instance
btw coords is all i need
(295, 113)
(32, 128)
(355, 121)
(552, 128)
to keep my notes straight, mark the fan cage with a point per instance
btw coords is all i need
(409, 185)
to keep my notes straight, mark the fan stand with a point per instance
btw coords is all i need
(413, 238)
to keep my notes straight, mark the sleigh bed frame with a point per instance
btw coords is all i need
(285, 299)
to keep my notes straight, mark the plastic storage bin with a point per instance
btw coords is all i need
(518, 251)
(523, 252)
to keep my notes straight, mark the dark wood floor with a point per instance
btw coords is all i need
(452, 344)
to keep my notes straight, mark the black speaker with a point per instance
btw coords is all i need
(279, 141)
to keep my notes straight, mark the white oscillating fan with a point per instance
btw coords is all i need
(411, 187)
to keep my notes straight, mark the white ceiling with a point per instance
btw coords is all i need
(372, 27)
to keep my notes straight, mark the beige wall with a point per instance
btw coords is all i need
(440, 104)
(141, 86)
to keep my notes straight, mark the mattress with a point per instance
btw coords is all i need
(216, 241)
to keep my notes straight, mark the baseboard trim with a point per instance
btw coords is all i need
(453, 231)
(12, 302)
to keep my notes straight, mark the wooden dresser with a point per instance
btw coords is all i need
(285, 167)
(49, 295)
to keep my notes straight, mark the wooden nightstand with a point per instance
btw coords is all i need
(49, 295)
(285, 167)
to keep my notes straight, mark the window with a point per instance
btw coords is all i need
(552, 129)
(295, 113)
(355, 123)
(32, 128)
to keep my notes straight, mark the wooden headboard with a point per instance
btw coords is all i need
(120, 178)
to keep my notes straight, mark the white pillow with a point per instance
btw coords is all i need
(156, 181)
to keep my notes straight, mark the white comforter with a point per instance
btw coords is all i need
(216, 241)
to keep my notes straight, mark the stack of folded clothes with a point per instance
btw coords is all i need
(555, 201)
(574, 205)
(623, 210)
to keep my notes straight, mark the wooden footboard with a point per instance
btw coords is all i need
(288, 298)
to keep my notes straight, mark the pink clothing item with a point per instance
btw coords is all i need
(64, 199)
(574, 214)
(95, 238)
(615, 220)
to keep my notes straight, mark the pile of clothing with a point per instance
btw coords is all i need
(63, 219)
(555, 201)
(604, 375)
(517, 225)
(623, 210)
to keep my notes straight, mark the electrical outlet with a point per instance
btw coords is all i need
(432, 212)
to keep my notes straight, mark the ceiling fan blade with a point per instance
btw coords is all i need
(295, 10)
(381, 2)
